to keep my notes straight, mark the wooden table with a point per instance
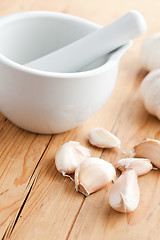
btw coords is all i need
(36, 202)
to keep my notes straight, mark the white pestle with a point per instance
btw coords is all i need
(80, 53)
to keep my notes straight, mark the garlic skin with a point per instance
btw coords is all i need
(140, 165)
(150, 52)
(149, 148)
(92, 175)
(124, 194)
(69, 155)
(102, 138)
(150, 92)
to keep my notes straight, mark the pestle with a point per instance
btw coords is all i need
(75, 56)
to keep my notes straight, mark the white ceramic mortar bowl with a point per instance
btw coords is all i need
(46, 102)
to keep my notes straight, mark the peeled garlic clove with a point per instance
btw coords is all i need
(150, 92)
(102, 138)
(150, 52)
(149, 148)
(140, 165)
(69, 155)
(124, 194)
(93, 174)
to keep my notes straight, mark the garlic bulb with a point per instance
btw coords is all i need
(102, 138)
(140, 165)
(124, 194)
(149, 148)
(93, 174)
(150, 52)
(150, 92)
(69, 155)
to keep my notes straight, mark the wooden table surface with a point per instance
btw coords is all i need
(36, 202)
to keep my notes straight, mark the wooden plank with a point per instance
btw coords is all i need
(49, 204)
(19, 154)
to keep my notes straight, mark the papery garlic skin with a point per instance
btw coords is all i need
(69, 155)
(150, 52)
(124, 194)
(149, 148)
(102, 138)
(93, 174)
(140, 165)
(150, 92)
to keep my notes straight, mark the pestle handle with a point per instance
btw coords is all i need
(80, 53)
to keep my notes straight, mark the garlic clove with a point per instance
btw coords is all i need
(102, 138)
(124, 194)
(149, 148)
(150, 92)
(140, 165)
(93, 174)
(69, 155)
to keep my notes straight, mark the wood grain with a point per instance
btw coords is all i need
(36, 202)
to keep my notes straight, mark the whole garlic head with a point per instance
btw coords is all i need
(150, 92)
(150, 52)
